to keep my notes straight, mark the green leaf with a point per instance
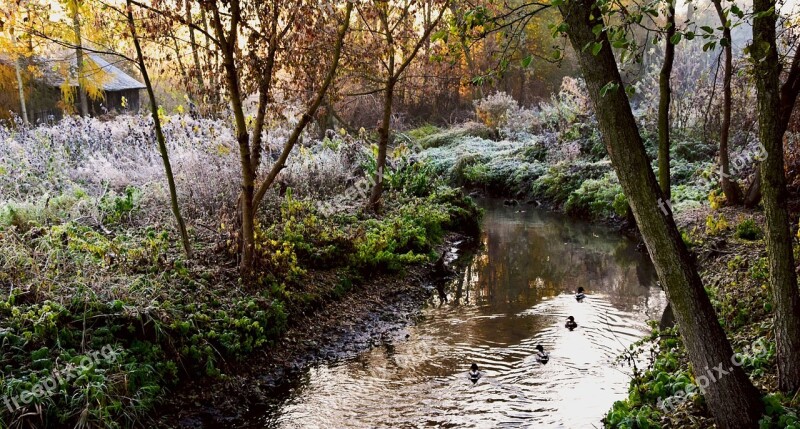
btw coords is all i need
(439, 35)
(596, 47)
(765, 13)
(611, 86)
(676, 38)
(597, 29)
(620, 44)
(559, 29)
(689, 35)
(707, 29)
(525, 62)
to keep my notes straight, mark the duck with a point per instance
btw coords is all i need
(571, 324)
(474, 373)
(580, 295)
(542, 356)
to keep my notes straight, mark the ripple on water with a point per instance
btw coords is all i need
(495, 317)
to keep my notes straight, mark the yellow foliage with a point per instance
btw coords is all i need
(716, 200)
(716, 226)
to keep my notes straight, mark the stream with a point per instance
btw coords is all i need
(511, 294)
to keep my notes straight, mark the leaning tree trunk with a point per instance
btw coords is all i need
(783, 279)
(733, 194)
(162, 144)
(732, 398)
(665, 95)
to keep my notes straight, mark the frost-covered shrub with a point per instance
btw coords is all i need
(570, 105)
(494, 109)
(325, 168)
(98, 158)
(521, 124)
(598, 198)
(453, 135)
(564, 178)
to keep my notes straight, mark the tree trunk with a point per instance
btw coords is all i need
(783, 279)
(732, 399)
(228, 46)
(23, 109)
(76, 27)
(198, 75)
(162, 144)
(383, 144)
(213, 98)
(753, 196)
(665, 95)
(733, 194)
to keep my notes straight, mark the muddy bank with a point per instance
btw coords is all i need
(372, 314)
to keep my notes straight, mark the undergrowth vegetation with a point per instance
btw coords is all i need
(552, 153)
(663, 391)
(89, 258)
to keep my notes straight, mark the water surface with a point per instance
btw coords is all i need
(513, 293)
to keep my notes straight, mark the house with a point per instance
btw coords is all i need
(43, 91)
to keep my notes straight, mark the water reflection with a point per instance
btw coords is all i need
(510, 296)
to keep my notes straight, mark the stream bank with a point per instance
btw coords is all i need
(374, 313)
(511, 294)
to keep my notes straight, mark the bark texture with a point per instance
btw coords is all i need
(665, 97)
(162, 144)
(783, 279)
(732, 399)
(76, 27)
(733, 194)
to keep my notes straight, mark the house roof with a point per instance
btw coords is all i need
(112, 78)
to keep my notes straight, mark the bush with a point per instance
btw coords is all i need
(693, 151)
(748, 230)
(494, 110)
(562, 179)
(453, 135)
(423, 131)
(598, 199)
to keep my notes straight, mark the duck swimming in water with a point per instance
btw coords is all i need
(571, 324)
(580, 295)
(541, 355)
(474, 373)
